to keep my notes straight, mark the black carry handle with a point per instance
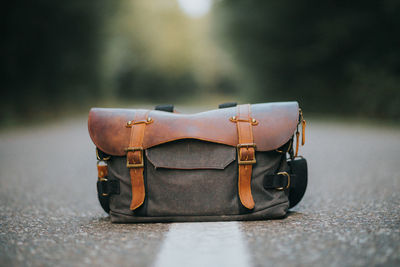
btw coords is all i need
(170, 108)
(166, 108)
(227, 105)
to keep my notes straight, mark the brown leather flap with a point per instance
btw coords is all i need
(191, 154)
(276, 124)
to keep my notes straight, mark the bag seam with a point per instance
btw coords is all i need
(130, 215)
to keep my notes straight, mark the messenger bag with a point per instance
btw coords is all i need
(238, 162)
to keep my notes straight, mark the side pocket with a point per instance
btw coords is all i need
(268, 163)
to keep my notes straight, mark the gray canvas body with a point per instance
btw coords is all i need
(193, 180)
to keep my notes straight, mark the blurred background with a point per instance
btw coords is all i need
(337, 58)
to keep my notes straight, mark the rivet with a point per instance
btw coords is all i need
(148, 119)
(234, 118)
(254, 120)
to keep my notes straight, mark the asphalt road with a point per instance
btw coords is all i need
(350, 215)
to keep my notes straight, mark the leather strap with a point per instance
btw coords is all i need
(246, 153)
(134, 157)
(102, 173)
(107, 187)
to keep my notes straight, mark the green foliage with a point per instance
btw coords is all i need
(137, 84)
(69, 55)
(332, 56)
(50, 55)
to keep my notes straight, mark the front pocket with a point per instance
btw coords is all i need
(191, 177)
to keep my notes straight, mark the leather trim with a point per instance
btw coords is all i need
(276, 125)
(136, 157)
(245, 154)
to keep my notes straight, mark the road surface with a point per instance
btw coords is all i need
(350, 215)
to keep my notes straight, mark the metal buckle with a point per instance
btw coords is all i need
(288, 181)
(245, 162)
(135, 165)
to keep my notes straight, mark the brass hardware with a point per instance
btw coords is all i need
(288, 183)
(129, 124)
(251, 120)
(135, 165)
(133, 149)
(245, 162)
(101, 159)
(103, 180)
(290, 145)
(246, 145)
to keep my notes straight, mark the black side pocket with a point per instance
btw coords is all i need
(298, 181)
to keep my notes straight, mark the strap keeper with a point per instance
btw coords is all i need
(279, 181)
(106, 187)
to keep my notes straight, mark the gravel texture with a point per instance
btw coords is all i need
(350, 215)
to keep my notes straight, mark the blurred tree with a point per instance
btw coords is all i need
(162, 54)
(64, 56)
(150, 46)
(50, 55)
(333, 56)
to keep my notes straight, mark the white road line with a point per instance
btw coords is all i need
(204, 245)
